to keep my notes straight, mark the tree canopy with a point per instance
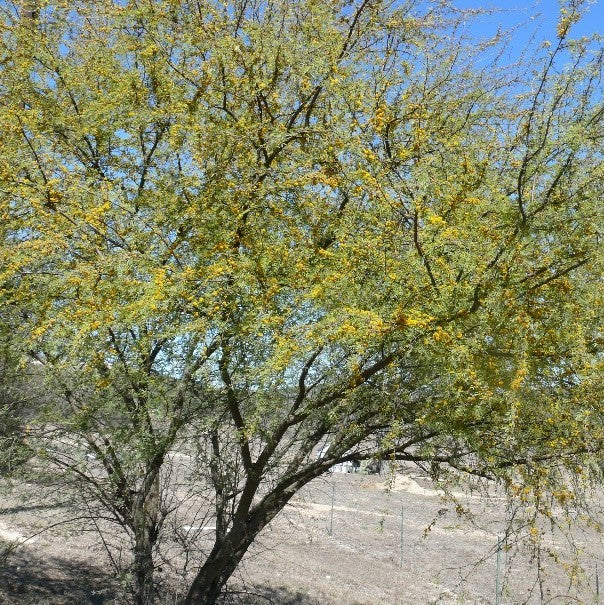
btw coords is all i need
(247, 229)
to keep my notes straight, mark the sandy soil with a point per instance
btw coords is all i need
(344, 540)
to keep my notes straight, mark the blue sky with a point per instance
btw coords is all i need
(541, 15)
(530, 18)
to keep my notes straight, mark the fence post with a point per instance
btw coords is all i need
(333, 497)
(497, 569)
(401, 537)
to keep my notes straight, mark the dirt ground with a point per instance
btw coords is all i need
(347, 539)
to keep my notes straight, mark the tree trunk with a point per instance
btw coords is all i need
(218, 568)
(144, 587)
(145, 535)
(230, 548)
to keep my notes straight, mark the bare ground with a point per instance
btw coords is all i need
(390, 540)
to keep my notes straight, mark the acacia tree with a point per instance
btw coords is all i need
(245, 229)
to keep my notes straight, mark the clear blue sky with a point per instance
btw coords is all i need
(532, 16)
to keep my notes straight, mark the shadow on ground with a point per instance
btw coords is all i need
(27, 579)
(32, 579)
(270, 595)
(22, 508)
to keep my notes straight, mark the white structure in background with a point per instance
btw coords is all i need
(350, 466)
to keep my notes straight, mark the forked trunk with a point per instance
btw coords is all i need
(216, 571)
(230, 548)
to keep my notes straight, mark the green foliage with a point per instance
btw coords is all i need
(15, 410)
(290, 220)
